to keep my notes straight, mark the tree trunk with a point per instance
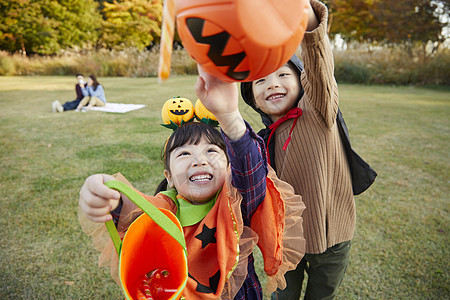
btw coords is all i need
(24, 51)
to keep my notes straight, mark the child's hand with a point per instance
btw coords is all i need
(313, 22)
(221, 99)
(218, 97)
(96, 199)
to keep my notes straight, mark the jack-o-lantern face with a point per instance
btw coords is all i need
(204, 115)
(177, 111)
(229, 40)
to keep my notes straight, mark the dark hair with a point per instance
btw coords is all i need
(79, 74)
(189, 133)
(94, 79)
(247, 89)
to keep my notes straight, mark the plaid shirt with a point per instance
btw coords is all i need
(249, 169)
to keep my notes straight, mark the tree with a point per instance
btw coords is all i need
(131, 23)
(352, 19)
(80, 23)
(47, 26)
(405, 22)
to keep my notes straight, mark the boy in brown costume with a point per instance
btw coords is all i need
(307, 149)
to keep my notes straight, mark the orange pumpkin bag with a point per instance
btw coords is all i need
(152, 255)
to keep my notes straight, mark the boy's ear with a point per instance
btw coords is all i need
(169, 178)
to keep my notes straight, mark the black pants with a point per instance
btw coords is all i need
(71, 105)
(325, 273)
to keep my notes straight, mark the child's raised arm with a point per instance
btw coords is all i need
(221, 99)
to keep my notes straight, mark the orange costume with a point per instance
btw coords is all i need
(253, 207)
(219, 244)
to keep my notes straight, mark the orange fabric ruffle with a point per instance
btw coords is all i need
(290, 244)
(293, 241)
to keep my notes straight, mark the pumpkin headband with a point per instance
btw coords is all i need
(177, 111)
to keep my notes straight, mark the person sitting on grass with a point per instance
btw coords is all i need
(71, 105)
(235, 198)
(94, 94)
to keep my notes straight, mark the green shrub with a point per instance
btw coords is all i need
(437, 70)
(352, 72)
(392, 66)
(379, 66)
(6, 65)
(58, 66)
(182, 63)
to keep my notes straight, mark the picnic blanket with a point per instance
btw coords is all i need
(118, 107)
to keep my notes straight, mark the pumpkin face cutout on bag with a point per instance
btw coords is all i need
(241, 40)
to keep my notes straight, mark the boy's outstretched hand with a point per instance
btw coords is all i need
(96, 199)
(221, 99)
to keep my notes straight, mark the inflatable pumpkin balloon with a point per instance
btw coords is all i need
(177, 111)
(204, 115)
(241, 40)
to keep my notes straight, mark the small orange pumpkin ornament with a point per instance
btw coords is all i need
(177, 111)
(241, 40)
(204, 115)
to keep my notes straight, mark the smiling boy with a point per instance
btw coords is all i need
(299, 106)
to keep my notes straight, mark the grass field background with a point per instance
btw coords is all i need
(401, 244)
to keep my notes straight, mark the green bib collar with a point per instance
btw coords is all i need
(187, 213)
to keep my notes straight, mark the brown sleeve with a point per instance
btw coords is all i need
(318, 78)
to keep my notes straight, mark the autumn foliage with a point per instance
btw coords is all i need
(402, 22)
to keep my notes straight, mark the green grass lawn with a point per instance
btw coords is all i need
(401, 244)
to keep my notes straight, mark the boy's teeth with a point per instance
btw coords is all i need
(275, 97)
(201, 177)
